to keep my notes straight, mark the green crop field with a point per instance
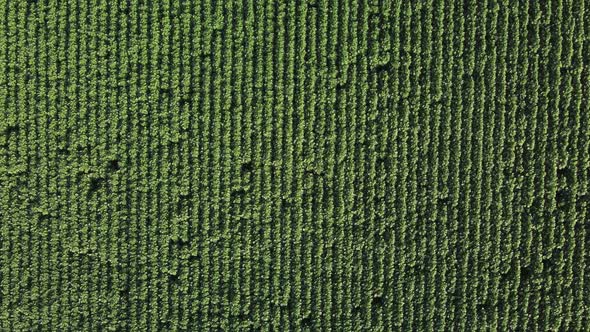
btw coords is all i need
(308, 165)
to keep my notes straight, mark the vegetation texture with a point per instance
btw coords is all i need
(241, 165)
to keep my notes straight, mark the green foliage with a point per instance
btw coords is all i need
(294, 165)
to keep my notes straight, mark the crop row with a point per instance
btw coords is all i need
(300, 165)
